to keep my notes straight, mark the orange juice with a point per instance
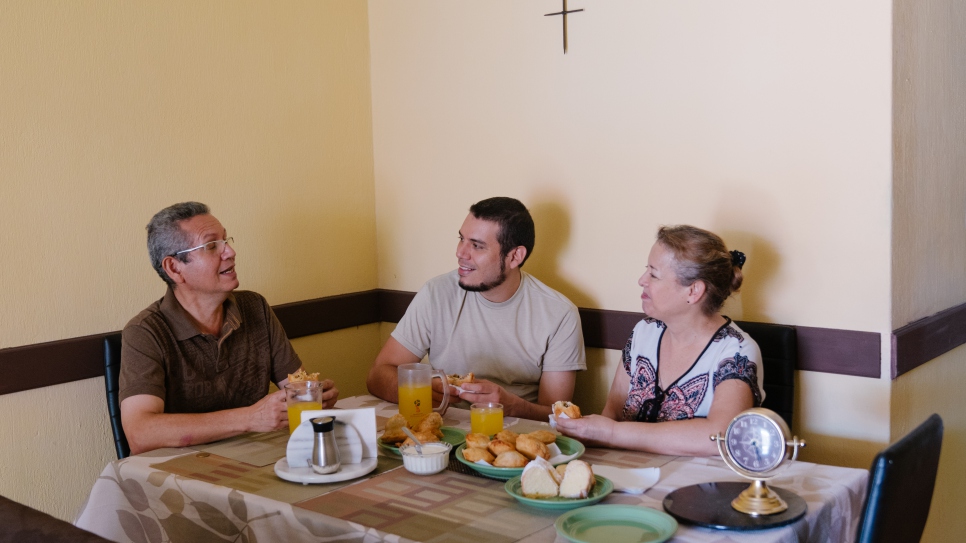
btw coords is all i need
(415, 402)
(295, 413)
(486, 419)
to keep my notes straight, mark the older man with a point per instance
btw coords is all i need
(519, 336)
(196, 365)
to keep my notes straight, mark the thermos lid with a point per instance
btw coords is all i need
(323, 424)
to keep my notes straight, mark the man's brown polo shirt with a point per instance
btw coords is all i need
(164, 355)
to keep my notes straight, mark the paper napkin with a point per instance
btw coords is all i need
(629, 481)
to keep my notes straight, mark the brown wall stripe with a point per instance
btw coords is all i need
(825, 350)
(919, 342)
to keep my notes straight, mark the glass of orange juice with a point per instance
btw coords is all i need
(416, 391)
(486, 418)
(302, 396)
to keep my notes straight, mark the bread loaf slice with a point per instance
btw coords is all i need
(577, 481)
(539, 480)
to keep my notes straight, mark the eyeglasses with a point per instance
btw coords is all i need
(651, 407)
(212, 247)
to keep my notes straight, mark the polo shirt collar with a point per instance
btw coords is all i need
(181, 324)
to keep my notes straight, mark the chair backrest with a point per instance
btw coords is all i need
(112, 372)
(779, 353)
(900, 487)
(22, 524)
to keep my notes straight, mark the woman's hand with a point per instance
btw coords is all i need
(592, 430)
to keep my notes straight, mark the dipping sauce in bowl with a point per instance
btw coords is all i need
(434, 459)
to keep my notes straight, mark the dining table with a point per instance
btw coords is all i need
(229, 491)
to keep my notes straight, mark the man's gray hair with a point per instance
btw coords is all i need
(165, 236)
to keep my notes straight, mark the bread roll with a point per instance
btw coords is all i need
(507, 435)
(473, 454)
(566, 408)
(510, 459)
(479, 441)
(532, 448)
(577, 481)
(498, 446)
(545, 436)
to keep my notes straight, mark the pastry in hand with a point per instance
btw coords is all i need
(457, 380)
(578, 480)
(566, 408)
(539, 480)
(510, 459)
(473, 454)
(532, 448)
(507, 435)
(545, 436)
(498, 446)
(301, 376)
(480, 441)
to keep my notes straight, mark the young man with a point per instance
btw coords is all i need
(520, 338)
(196, 365)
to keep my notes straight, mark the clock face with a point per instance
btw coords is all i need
(755, 442)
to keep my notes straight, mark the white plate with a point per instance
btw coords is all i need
(306, 475)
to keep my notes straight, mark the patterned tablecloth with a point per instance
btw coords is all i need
(228, 491)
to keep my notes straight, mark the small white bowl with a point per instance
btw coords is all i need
(434, 459)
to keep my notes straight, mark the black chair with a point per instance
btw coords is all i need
(22, 524)
(112, 372)
(779, 353)
(900, 487)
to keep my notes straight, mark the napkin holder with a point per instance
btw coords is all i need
(355, 435)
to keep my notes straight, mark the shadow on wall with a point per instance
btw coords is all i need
(552, 223)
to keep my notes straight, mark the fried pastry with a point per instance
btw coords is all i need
(423, 437)
(430, 423)
(510, 459)
(507, 435)
(532, 448)
(566, 408)
(458, 380)
(474, 454)
(498, 446)
(479, 441)
(301, 375)
(545, 436)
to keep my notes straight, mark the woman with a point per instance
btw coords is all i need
(685, 365)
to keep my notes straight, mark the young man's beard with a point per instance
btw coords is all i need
(484, 286)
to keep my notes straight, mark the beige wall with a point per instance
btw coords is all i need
(929, 229)
(767, 123)
(111, 110)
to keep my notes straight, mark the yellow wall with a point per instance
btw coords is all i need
(766, 122)
(929, 233)
(111, 110)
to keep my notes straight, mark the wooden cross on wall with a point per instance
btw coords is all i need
(564, 12)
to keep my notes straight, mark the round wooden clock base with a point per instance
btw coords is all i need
(709, 505)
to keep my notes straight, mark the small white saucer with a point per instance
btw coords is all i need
(306, 475)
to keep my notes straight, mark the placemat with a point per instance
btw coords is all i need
(258, 480)
(256, 449)
(444, 508)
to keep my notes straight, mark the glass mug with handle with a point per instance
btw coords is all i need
(416, 391)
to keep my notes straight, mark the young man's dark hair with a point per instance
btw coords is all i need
(516, 224)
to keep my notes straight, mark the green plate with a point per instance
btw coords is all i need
(453, 436)
(616, 524)
(601, 490)
(566, 445)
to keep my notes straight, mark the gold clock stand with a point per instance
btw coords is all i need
(758, 499)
